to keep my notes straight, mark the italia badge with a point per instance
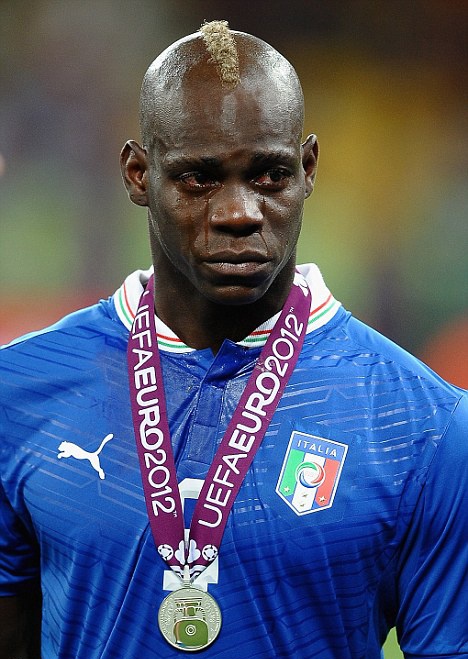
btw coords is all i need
(310, 473)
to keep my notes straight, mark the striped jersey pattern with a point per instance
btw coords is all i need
(351, 519)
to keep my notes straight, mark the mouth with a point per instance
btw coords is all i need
(237, 264)
(237, 258)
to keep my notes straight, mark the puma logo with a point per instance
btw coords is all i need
(70, 450)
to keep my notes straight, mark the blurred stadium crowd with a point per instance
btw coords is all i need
(385, 87)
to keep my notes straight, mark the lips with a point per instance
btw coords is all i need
(237, 258)
(237, 264)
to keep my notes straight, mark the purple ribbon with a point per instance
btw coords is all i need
(238, 446)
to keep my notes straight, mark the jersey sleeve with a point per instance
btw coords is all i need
(18, 555)
(432, 620)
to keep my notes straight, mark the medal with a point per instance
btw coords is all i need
(189, 619)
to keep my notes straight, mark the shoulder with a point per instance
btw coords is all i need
(110, 317)
(51, 378)
(98, 319)
(439, 408)
(32, 363)
(368, 350)
(389, 395)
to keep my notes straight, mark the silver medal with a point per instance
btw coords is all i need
(189, 619)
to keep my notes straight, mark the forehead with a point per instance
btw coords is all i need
(209, 119)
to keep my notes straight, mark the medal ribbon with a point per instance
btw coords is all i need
(238, 446)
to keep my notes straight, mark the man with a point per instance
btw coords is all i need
(320, 467)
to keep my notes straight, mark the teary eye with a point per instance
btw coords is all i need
(197, 180)
(275, 178)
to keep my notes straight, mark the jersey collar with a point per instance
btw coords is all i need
(323, 309)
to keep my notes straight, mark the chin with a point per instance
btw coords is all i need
(236, 295)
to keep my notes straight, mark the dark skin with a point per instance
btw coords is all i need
(224, 178)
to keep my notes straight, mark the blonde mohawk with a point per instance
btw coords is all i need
(220, 44)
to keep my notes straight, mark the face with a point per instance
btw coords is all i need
(224, 183)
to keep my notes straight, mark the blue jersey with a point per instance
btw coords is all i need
(350, 520)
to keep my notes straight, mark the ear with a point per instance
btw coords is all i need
(310, 155)
(133, 165)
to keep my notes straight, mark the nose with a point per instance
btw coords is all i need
(236, 209)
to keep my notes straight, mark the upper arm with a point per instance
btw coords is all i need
(20, 596)
(432, 619)
(19, 556)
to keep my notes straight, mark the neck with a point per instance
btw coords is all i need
(201, 323)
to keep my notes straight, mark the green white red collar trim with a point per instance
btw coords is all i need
(323, 309)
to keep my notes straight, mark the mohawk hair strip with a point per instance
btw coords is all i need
(221, 45)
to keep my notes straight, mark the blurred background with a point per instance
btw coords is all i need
(386, 93)
(385, 86)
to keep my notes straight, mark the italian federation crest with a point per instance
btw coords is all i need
(310, 473)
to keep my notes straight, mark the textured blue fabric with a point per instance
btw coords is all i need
(391, 549)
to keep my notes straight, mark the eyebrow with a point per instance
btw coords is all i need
(258, 159)
(269, 157)
(172, 163)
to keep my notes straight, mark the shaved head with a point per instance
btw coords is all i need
(215, 60)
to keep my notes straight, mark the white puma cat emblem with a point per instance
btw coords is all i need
(70, 450)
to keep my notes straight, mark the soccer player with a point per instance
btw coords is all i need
(220, 458)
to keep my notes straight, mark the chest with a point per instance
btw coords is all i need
(328, 477)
